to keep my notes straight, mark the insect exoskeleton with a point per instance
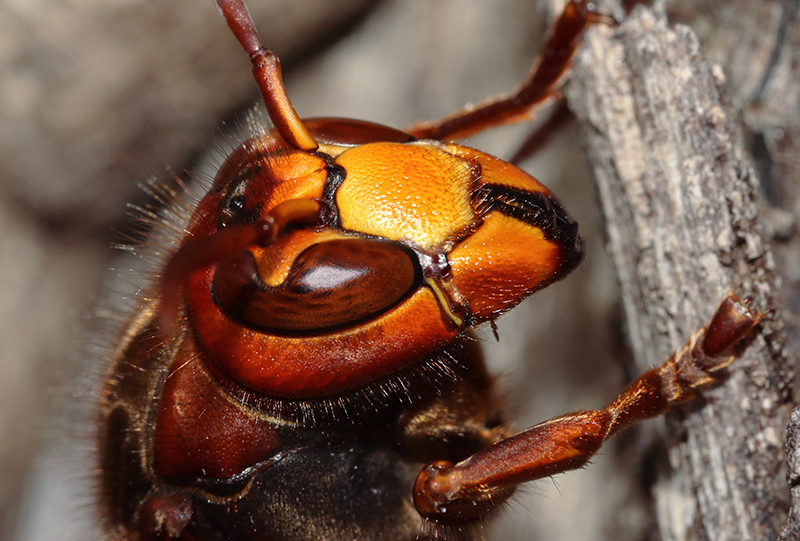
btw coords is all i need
(404, 244)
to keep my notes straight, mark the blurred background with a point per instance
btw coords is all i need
(97, 97)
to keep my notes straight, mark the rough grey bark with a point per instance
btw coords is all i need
(792, 529)
(680, 199)
(758, 44)
(763, 66)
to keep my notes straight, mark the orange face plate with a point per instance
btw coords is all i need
(481, 233)
(406, 192)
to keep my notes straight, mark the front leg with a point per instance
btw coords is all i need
(471, 489)
(540, 85)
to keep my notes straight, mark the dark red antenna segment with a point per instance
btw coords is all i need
(267, 72)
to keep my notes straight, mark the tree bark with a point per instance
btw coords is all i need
(681, 203)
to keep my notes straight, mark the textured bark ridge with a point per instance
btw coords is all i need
(680, 198)
(792, 528)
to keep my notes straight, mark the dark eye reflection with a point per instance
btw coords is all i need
(236, 204)
(235, 211)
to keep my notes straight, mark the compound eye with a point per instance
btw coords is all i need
(331, 286)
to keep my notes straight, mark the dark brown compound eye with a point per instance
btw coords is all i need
(332, 285)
